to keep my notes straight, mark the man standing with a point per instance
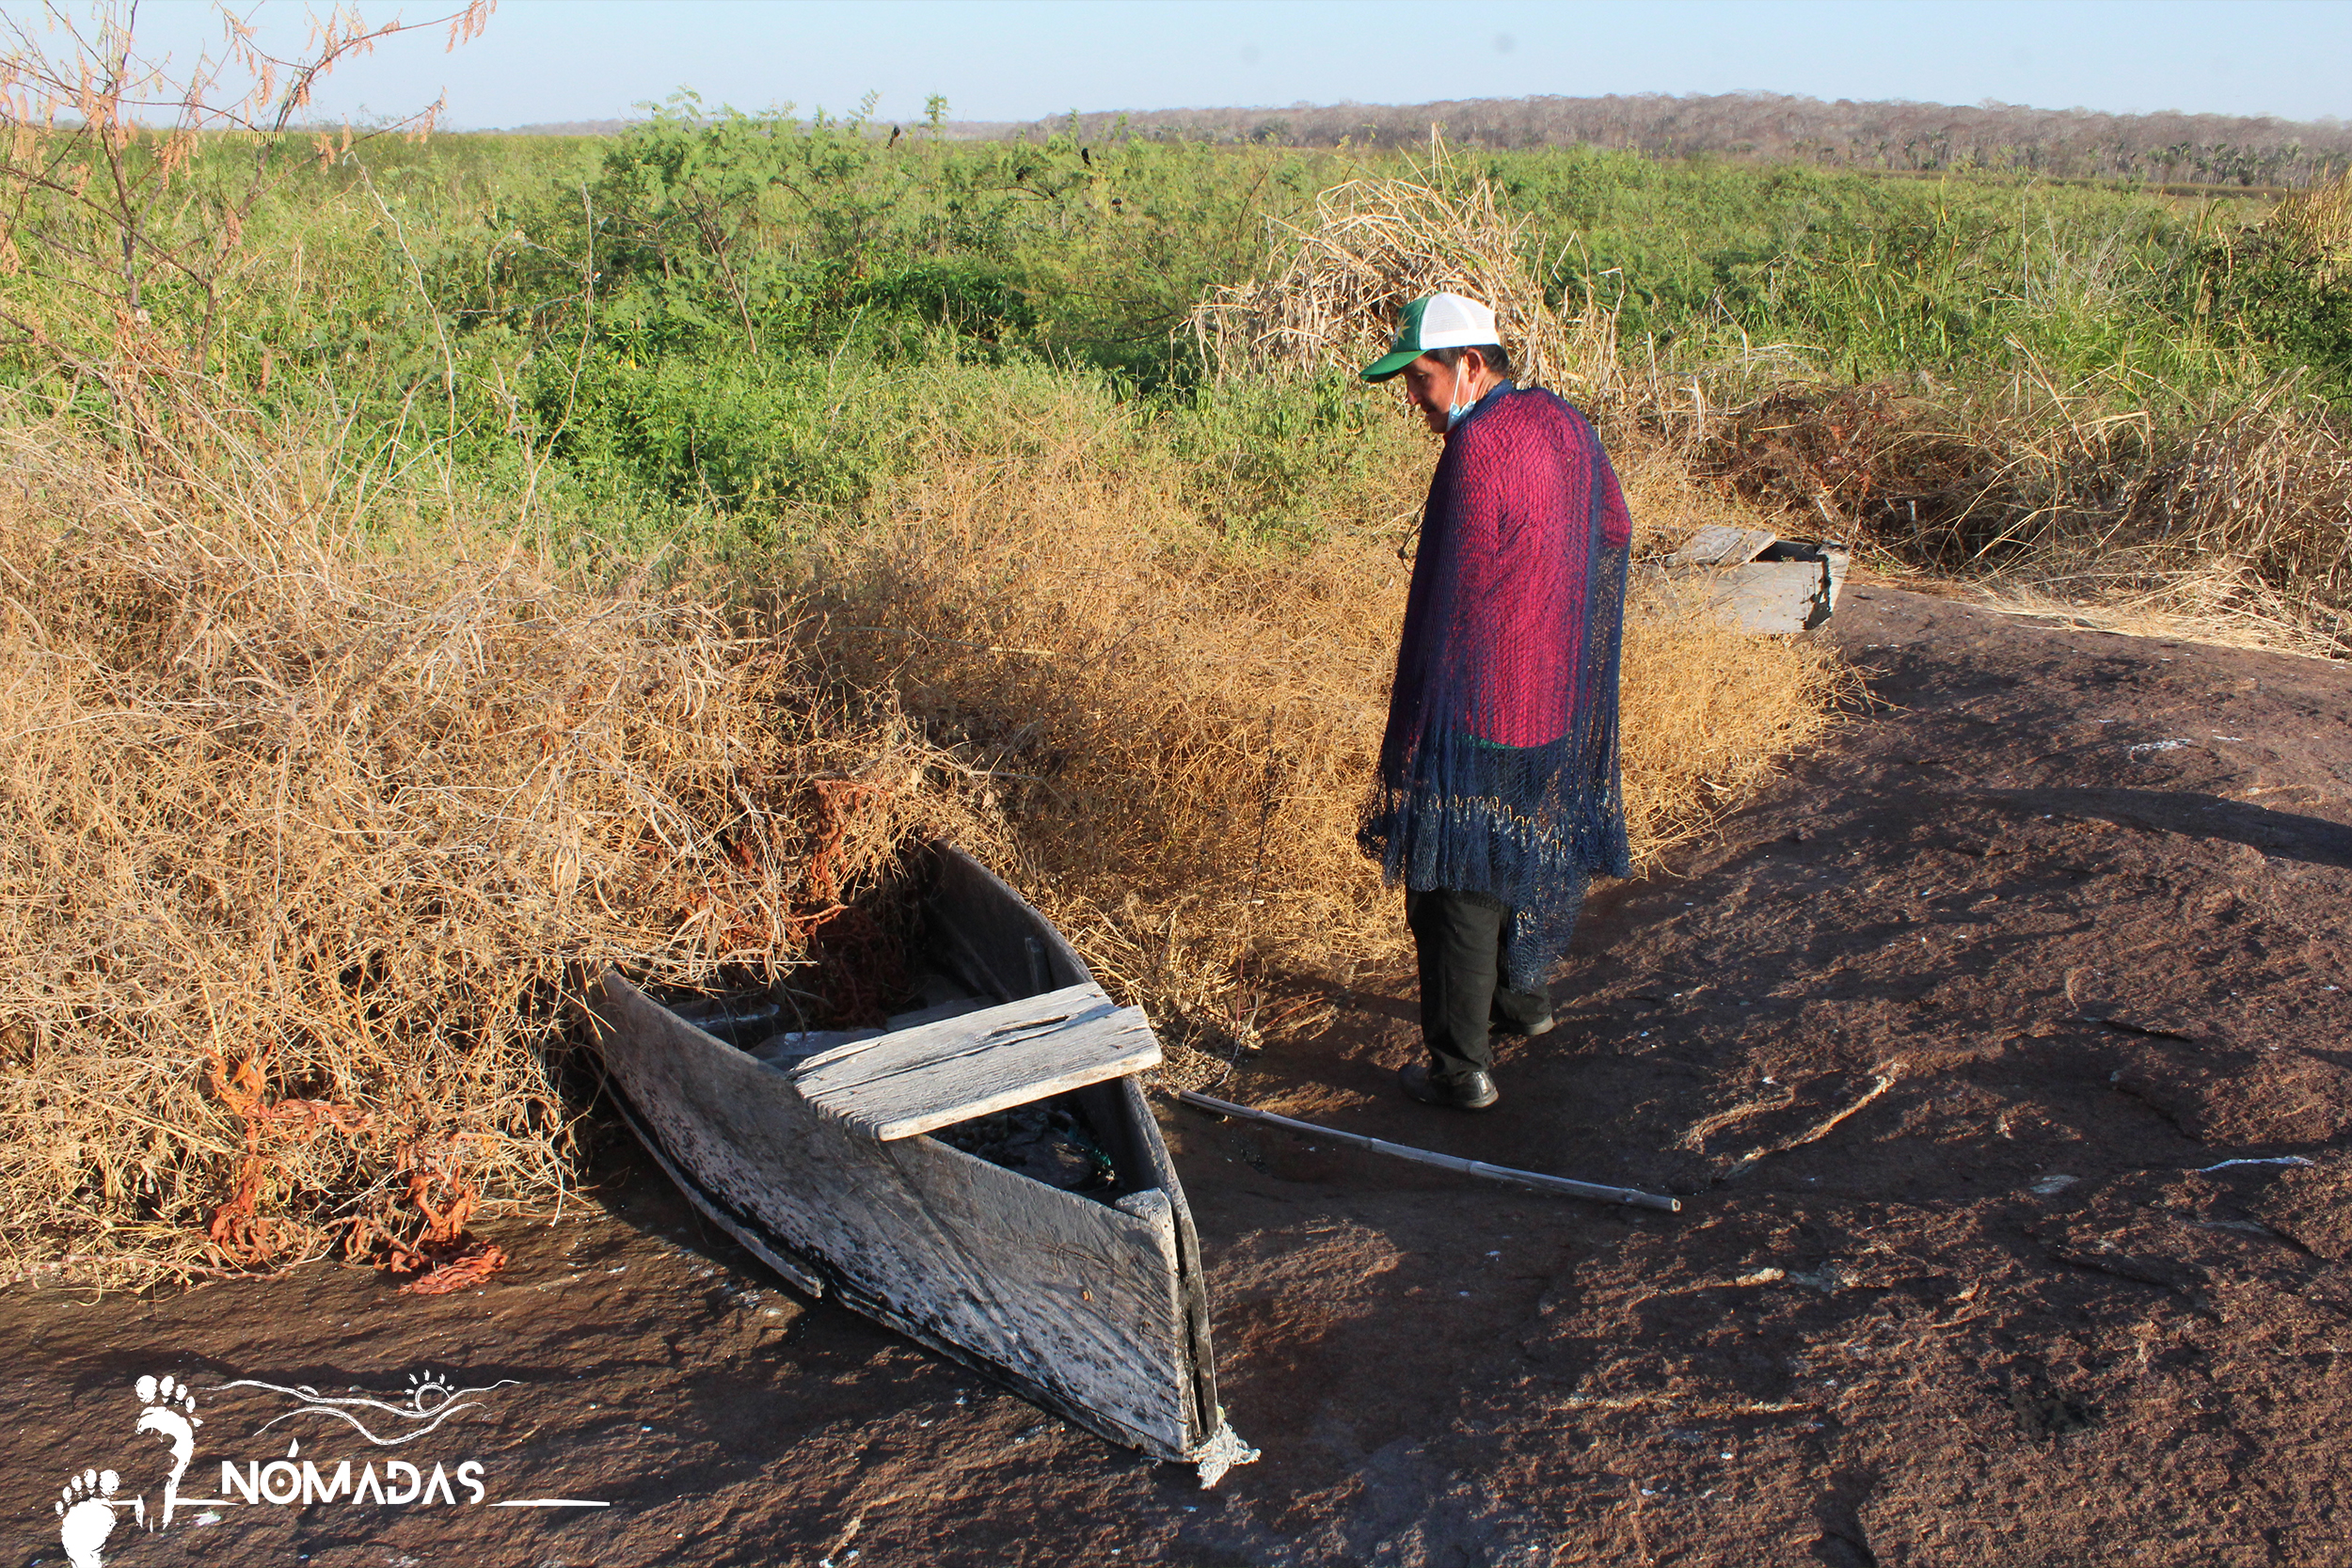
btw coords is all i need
(1498, 794)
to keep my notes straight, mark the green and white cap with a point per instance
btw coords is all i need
(1440, 320)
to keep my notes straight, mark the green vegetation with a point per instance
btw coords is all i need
(1875, 277)
(739, 325)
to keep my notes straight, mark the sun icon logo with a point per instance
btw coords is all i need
(427, 1392)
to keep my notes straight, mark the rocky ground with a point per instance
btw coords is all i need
(1998, 1053)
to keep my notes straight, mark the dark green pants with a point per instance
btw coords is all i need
(1463, 942)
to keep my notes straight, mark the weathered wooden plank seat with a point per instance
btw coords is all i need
(933, 1075)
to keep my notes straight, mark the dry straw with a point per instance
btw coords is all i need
(2231, 526)
(1373, 245)
(309, 845)
(1182, 735)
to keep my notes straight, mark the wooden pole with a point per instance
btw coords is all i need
(1590, 1190)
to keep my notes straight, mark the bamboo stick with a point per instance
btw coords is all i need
(1590, 1190)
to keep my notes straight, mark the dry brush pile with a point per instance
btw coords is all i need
(1377, 243)
(320, 823)
(310, 842)
(314, 843)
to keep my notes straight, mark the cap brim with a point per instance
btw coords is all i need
(1388, 364)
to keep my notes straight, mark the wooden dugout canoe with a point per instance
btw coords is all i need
(817, 1153)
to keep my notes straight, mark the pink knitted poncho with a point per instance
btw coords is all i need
(1499, 768)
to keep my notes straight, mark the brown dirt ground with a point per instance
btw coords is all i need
(1935, 1038)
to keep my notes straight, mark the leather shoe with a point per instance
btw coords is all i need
(1473, 1091)
(1541, 1026)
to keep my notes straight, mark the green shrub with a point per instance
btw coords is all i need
(2269, 294)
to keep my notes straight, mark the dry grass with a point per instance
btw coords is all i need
(1375, 244)
(2319, 222)
(1182, 735)
(2227, 605)
(314, 840)
(2235, 526)
(1708, 713)
(310, 842)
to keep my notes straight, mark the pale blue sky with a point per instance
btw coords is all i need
(545, 60)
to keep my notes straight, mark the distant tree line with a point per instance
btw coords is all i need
(2165, 148)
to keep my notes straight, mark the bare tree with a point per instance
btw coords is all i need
(126, 186)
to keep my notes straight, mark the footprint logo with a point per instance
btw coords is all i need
(170, 1414)
(87, 1507)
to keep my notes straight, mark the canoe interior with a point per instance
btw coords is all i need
(1082, 1291)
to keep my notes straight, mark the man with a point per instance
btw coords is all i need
(1498, 795)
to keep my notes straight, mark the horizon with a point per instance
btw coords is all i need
(2327, 122)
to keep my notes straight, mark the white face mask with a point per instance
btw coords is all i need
(1457, 408)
